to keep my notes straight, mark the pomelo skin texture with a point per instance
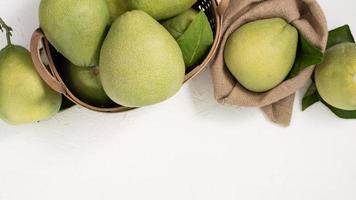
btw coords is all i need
(24, 97)
(179, 24)
(117, 7)
(335, 78)
(85, 83)
(76, 29)
(261, 54)
(161, 9)
(140, 62)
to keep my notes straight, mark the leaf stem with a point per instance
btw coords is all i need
(8, 30)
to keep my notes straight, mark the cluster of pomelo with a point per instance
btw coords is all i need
(261, 54)
(132, 53)
(136, 52)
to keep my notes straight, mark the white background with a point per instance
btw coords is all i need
(186, 148)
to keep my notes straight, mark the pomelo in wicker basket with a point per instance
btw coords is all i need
(179, 24)
(54, 76)
(159, 9)
(85, 83)
(117, 7)
(140, 62)
(76, 28)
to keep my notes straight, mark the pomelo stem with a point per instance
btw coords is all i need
(8, 31)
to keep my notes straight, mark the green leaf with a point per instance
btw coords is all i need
(340, 35)
(196, 40)
(311, 97)
(344, 114)
(307, 55)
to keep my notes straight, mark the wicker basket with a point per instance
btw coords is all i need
(52, 76)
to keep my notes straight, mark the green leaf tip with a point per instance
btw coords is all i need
(307, 55)
(340, 35)
(311, 97)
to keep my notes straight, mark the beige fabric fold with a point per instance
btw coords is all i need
(306, 16)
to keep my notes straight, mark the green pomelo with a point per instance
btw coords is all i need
(335, 78)
(24, 97)
(117, 7)
(261, 54)
(140, 62)
(85, 83)
(161, 9)
(76, 28)
(179, 24)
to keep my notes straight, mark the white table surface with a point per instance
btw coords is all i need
(186, 148)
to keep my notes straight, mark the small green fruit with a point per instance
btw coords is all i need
(24, 97)
(161, 9)
(335, 78)
(117, 7)
(85, 83)
(76, 28)
(140, 62)
(179, 24)
(261, 54)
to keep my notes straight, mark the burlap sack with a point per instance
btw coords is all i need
(305, 15)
